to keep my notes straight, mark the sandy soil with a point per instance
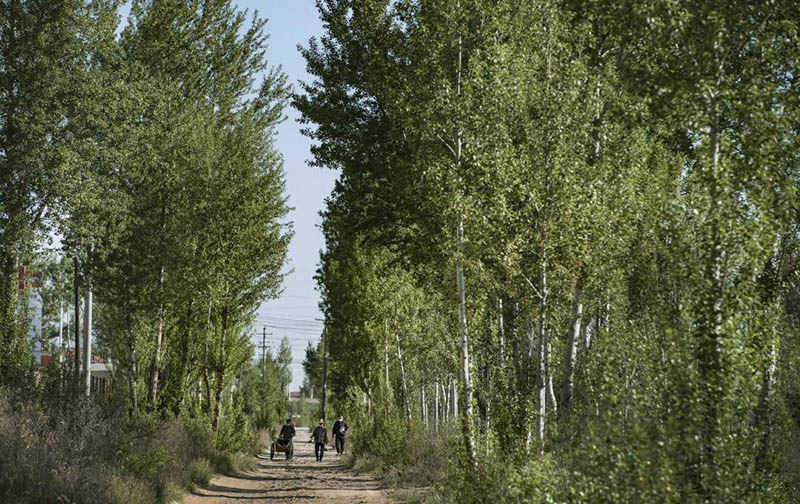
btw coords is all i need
(302, 479)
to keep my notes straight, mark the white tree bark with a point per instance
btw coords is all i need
(501, 333)
(436, 406)
(551, 393)
(152, 389)
(454, 400)
(571, 352)
(541, 372)
(424, 407)
(87, 341)
(445, 402)
(588, 332)
(403, 381)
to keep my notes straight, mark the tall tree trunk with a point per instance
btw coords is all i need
(87, 339)
(132, 375)
(404, 384)
(501, 333)
(436, 406)
(571, 352)
(543, 353)
(541, 371)
(710, 343)
(445, 401)
(77, 309)
(220, 371)
(454, 399)
(588, 332)
(386, 362)
(551, 393)
(155, 365)
(218, 388)
(185, 359)
(466, 380)
(424, 407)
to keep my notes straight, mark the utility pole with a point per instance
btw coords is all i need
(324, 366)
(263, 347)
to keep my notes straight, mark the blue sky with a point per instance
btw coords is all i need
(294, 314)
(292, 22)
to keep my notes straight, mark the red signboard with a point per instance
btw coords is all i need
(24, 283)
(22, 279)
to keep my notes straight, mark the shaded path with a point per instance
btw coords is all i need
(302, 479)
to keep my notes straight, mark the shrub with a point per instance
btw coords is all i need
(83, 452)
(199, 472)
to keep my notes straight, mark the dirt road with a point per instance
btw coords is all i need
(302, 479)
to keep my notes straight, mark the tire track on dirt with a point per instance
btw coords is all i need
(299, 480)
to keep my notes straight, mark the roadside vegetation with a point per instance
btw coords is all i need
(564, 235)
(142, 208)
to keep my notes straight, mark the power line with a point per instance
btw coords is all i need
(291, 320)
(288, 321)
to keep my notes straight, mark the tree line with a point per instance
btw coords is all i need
(146, 151)
(573, 227)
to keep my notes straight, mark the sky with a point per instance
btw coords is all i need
(295, 313)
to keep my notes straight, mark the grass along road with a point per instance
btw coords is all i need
(299, 480)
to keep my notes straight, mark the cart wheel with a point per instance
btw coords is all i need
(272, 450)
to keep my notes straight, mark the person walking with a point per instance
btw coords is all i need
(320, 439)
(287, 431)
(339, 430)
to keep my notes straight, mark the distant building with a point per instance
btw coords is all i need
(35, 332)
(102, 370)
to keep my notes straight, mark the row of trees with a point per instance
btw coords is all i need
(148, 151)
(582, 214)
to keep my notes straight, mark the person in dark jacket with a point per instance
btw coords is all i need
(320, 439)
(287, 431)
(339, 430)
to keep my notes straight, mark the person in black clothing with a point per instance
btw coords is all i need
(339, 430)
(288, 430)
(320, 439)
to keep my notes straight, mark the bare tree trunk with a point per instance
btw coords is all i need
(588, 332)
(454, 400)
(386, 361)
(403, 382)
(155, 365)
(132, 374)
(436, 406)
(466, 380)
(424, 407)
(571, 352)
(445, 401)
(551, 393)
(87, 340)
(186, 339)
(218, 399)
(524, 364)
(764, 419)
(77, 309)
(541, 372)
(709, 348)
(501, 334)
(220, 371)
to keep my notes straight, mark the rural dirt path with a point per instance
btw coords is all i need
(302, 479)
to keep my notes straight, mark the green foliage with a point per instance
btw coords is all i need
(200, 472)
(615, 188)
(150, 154)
